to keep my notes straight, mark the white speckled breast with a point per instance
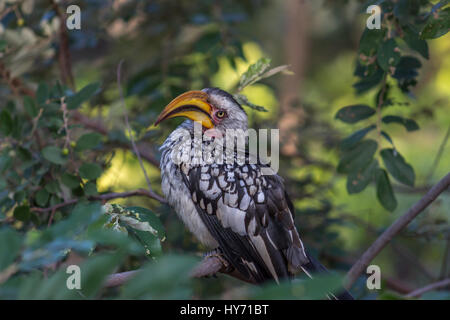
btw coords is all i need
(178, 195)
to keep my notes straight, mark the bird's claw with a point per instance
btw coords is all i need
(216, 253)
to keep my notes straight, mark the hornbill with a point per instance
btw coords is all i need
(230, 207)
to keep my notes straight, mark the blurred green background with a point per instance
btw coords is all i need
(169, 47)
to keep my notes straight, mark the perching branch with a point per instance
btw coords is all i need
(105, 197)
(430, 287)
(209, 266)
(395, 228)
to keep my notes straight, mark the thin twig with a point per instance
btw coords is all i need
(65, 122)
(379, 104)
(98, 126)
(127, 124)
(50, 219)
(8, 272)
(445, 260)
(399, 249)
(409, 190)
(15, 84)
(437, 285)
(397, 285)
(395, 228)
(437, 159)
(105, 197)
(35, 123)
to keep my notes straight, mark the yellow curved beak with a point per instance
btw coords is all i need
(192, 105)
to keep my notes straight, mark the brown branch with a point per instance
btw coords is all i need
(437, 285)
(209, 266)
(15, 84)
(410, 190)
(117, 279)
(395, 228)
(438, 156)
(397, 285)
(18, 88)
(95, 125)
(399, 249)
(105, 197)
(64, 60)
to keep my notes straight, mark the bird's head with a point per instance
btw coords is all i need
(212, 107)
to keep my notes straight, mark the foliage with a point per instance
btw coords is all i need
(60, 138)
(383, 62)
(27, 258)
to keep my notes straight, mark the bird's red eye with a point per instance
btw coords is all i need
(221, 114)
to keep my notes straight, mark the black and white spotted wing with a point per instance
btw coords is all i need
(249, 215)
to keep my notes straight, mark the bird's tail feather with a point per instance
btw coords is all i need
(314, 266)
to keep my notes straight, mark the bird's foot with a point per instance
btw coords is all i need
(217, 254)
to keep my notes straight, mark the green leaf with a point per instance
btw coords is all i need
(408, 63)
(3, 45)
(351, 140)
(54, 155)
(90, 189)
(370, 81)
(19, 196)
(354, 113)
(310, 289)
(90, 171)
(70, 181)
(83, 95)
(6, 123)
(357, 157)
(243, 100)
(167, 278)
(253, 73)
(22, 213)
(30, 106)
(358, 179)
(10, 243)
(370, 41)
(387, 137)
(88, 141)
(414, 42)
(388, 54)
(52, 187)
(258, 71)
(397, 166)
(409, 124)
(42, 197)
(95, 270)
(42, 93)
(140, 223)
(5, 162)
(149, 216)
(385, 193)
(3, 184)
(437, 25)
(150, 240)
